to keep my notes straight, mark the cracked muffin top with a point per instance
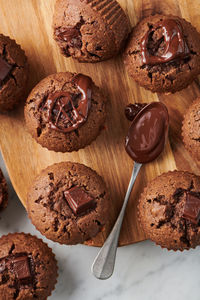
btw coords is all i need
(90, 30)
(65, 112)
(3, 192)
(68, 203)
(13, 73)
(28, 269)
(163, 53)
(169, 210)
(191, 129)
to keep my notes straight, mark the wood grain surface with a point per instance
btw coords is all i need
(29, 23)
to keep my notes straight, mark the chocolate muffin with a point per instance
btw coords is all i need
(13, 73)
(68, 203)
(90, 30)
(65, 112)
(191, 129)
(163, 53)
(28, 268)
(169, 210)
(3, 192)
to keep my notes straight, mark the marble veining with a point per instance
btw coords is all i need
(143, 271)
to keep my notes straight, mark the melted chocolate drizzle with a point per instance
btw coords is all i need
(174, 45)
(147, 133)
(69, 109)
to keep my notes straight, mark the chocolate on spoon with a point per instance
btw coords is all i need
(148, 132)
(144, 142)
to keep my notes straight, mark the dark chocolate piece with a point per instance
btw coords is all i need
(169, 46)
(71, 36)
(192, 208)
(5, 69)
(131, 110)
(79, 200)
(20, 265)
(67, 112)
(21, 268)
(147, 133)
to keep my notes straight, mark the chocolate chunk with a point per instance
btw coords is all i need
(21, 268)
(131, 110)
(72, 36)
(192, 207)
(5, 69)
(164, 43)
(79, 201)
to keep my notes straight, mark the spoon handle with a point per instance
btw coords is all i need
(103, 264)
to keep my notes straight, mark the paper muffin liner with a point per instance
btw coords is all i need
(51, 251)
(114, 16)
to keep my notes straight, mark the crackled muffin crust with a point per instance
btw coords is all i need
(37, 121)
(160, 210)
(163, 77)
(90, 30)
(191, 129)
(28, 268)
(50, 212)
(3, 192)
(13, 74)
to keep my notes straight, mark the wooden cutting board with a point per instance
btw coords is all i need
(29, 23)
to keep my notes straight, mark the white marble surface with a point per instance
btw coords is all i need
(143, 271)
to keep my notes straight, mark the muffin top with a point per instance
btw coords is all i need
(28, 268)
(163, 53)
(13, 73)
(191, 129)
(169, 210)
(65, 111)
(3, 192)
(89, 30)
(68, 203)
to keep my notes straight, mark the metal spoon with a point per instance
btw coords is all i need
(103, 264)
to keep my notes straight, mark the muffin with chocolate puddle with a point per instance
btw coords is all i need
(90, 30)
(68, 203)
(191, 129)
(163, 53)
(3, 192)
(13, 73)
(65, 112)
(28, 269)
(169, 210)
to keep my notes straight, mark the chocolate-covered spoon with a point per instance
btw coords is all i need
(144, 142)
